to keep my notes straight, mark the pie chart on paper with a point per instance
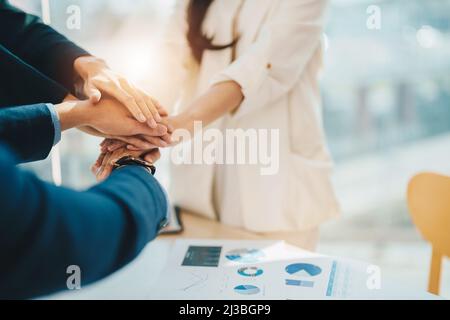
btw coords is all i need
(247, 289)
(303, 269)
(250, 271)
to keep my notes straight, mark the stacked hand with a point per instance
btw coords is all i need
(99, 80)
(113, 149)
(117, 110)
(105, 163)
(219, 99)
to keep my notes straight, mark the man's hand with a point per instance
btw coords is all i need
(105, 162)
(109, 119)
(138, 142)
(99, 79)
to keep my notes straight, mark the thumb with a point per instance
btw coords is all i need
(92, 93)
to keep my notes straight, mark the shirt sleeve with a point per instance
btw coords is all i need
(56, 123)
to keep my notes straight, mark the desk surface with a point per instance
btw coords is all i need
(135, 280)
(202, 228)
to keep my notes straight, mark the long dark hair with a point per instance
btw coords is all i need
(198, 41)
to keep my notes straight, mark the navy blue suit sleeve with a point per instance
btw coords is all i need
(28, 131)
(44, 229)
(21, 83)
(39, 45)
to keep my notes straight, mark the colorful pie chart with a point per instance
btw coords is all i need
(247, 289)
(250, 271)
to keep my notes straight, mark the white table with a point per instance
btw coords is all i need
(131, 282)
(135, 280)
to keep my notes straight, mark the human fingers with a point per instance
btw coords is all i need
(137, 142)
(165, 121)
(103, 171)
(161, 110)
(144, 102)
(92, 92)
(115, 145)
(167, 138)
(154, 106)
(117, 91)
(96, 166)
(158, 142)
(142, 129)
(152, 156)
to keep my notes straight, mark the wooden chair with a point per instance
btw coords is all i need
(429, 206)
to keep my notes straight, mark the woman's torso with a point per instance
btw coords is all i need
(263, 203)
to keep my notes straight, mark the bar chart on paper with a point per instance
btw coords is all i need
(245, 255)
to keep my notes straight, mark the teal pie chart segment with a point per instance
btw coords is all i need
(247, 289)
(250, 272)
(303, 269)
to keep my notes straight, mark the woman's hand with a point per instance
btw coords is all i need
(138, 142)
(99, 79)
(219, 99)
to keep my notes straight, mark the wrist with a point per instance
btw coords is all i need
(85, 65)
(184, 120)
(72, 113)
(130, 160)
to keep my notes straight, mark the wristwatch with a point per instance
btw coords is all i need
(129, 160)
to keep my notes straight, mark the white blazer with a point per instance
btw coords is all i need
(279, 57)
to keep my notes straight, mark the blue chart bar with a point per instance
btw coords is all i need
(245, 255)
(300, 283)
(331, 280)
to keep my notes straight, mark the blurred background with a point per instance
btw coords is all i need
(386, 100)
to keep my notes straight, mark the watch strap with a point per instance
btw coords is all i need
(129, 160)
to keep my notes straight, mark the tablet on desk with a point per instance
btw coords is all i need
(175, 225)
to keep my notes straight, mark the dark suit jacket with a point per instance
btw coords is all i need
(28, 130)
(36, 62)
(36, 65)
(44, 229)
